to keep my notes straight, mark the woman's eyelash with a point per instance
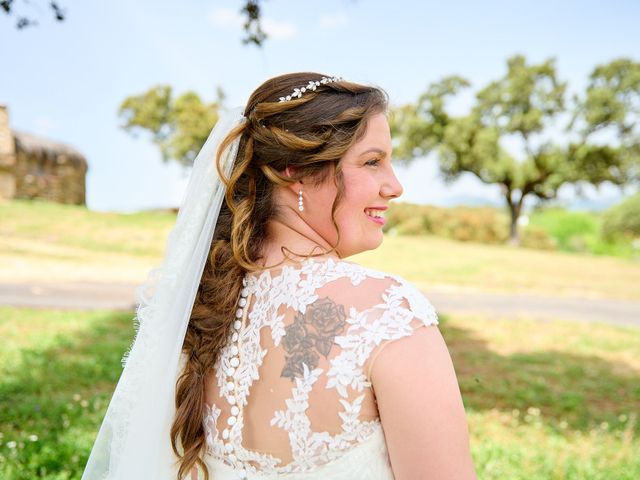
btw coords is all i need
(374, 161)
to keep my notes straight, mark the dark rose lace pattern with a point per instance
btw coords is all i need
(311, 334)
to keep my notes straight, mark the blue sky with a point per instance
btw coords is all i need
(66, 80)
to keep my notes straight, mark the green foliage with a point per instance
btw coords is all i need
(419, 137)
(623, 220)
(610, 105)
(178, 126)
(568, 229)
(522, 106)
(580, 232)
(611, 99)
(522, 100)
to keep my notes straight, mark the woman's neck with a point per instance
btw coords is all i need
(291, 240)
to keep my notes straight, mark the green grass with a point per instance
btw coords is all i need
(57, 370)
(545, 400)
(431, 262)
(549, 400)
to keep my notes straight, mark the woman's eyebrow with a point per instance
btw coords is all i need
(374, 149)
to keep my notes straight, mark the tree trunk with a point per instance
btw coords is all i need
(514, 239)
(514, 211)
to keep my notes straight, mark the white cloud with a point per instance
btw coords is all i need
(334, 20)
(278, 30)
(275, 29)
(226, 17)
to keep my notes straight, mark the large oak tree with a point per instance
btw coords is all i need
(510, 135)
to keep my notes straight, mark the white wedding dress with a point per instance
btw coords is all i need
(305, 407)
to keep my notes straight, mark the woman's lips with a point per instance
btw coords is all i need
(378, 220)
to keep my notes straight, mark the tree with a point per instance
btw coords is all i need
(23, 21)
(250, 10)
(520, 108)
(252, 25)
(611, 108)
(178, 126)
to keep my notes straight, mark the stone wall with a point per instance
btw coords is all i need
(34, 167)
(7, 157)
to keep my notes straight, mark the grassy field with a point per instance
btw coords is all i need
(49, 242)
(52, 242)
(437, 262)
(545, 401)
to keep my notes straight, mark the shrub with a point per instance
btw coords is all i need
(623, 219)
(480, 224)
(569, 229)
(536, 237)
(399, 213)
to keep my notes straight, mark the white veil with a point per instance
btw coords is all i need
(133, 441)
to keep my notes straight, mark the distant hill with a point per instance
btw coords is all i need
(470, 201)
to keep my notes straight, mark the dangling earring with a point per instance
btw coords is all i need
(300, 203)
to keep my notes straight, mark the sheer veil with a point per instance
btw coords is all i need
(133, 441)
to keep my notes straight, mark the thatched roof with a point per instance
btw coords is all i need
(38, 146)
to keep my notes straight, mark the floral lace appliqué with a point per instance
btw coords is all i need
(351, 337)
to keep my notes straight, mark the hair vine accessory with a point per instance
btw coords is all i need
(312, 85)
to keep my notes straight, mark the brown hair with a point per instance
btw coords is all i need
(310, 134)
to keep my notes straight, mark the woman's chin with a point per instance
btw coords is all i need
(372, 244)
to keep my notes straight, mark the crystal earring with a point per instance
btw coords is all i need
(300, 203)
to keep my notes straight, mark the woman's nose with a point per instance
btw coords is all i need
(392, 186)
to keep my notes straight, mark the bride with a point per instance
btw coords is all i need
(261, 353)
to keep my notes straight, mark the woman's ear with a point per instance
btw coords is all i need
(289, 171)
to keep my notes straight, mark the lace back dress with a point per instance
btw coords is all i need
(301, 404)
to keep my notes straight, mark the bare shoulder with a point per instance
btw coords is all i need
(421, 408)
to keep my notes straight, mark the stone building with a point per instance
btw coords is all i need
(34, 167)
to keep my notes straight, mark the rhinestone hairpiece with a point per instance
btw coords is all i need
(312, 85)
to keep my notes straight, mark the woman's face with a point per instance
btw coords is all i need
(369, 184)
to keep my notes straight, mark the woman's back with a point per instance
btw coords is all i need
(291, 393)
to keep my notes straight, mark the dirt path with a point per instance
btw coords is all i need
(620, 312)
(69, 295)
(121, 296)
